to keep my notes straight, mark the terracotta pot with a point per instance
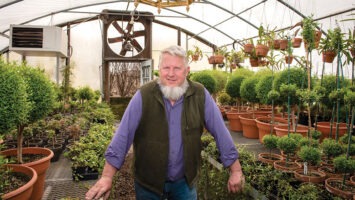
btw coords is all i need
(324, 128)
(283, 44)
(275, 44)
(24, 192)
(250, 130)
(329, 172)
(261, 50)
(288, 59)
(330, 185)
(248, 48)
(296, 42)
(287, 167)
(328, 56)
(40, 166)
(234, 121)
(254, 62)
(264, 125)
(352, 179)
(313, 176)
(269, 158)
(282, 130)
(216, 59)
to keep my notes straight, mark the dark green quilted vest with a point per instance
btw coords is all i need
(151, 142)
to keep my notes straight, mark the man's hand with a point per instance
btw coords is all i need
(236, 181)
(236, 178)
(101, 189)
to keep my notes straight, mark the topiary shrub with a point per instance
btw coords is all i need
(206, 79)
(233, 87)
(263, 87)
(221, 78)
(85, 94)
(224, 99)
(247, 90)
(14, 104)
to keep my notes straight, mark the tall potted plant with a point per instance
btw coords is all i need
(41, 95)
(14, 108)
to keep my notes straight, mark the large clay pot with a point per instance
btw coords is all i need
(234, 121)
(282, 130)
(269, 158)
(324, 128)
(24, 192)
(40, 166)
(313, 176)
(264, 125)
(250, 130)
(330, 186)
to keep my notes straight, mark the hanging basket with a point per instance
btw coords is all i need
(288, 59)
(283, 44)
(254, 62)
(296, 42)
(328, 56)
(261, 50)
(248, 48)
(216, 59)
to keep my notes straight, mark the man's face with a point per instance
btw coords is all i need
(172, 71)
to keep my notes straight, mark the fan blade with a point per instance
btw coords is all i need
(136, 45)
(118, 28)
(115, 39)
(123, 50)
(138, 33)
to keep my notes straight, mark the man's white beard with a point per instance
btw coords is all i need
(173, 93)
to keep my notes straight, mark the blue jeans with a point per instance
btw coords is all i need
(177, 190)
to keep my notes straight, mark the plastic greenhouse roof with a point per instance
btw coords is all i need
(219, 22)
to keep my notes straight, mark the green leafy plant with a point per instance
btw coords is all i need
(288, 145)
(310, 154)
(224, 99)
(195, 54)
(270, 142)
(331, 148)
(247, 90)
(206, 80)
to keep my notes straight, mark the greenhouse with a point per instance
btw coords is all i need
(237, 99)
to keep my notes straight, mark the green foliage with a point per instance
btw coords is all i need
(206, 139)
(233, 86)
(89, 150)
(296, 77)
(287, 144)
(221, 79)
(311, 155)
(14, 105)
(308, 33)
(224, 99)
(263, 87)
(247, 89)
(329, 82)
(344, 165)
(315, 134)
(85, 94)
(273, 95)
(270, 141)
(40, 90)
(206, 79)
(331, 148)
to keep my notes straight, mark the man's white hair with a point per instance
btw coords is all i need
(175, 50)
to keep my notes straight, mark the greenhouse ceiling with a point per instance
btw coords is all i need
(220, 23)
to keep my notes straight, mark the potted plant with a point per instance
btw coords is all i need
(234, 58)
(311, 36)
(261, 49)
(340, 186)
(248, 46)
(40, 92)
(296, 41)
(311, 158)
(288, 145)
(195, 54)
(218, 55)
(270, 142)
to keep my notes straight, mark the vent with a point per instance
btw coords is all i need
(38, 40)
(27, 37)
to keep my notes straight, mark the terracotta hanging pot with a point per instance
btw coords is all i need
(296, 42)
(328, 56)
(283, 44)
(288, 59)
(248, 48)
(216, 59)
(254, 62)
(261, 50)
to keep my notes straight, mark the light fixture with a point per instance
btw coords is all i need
(165, 3)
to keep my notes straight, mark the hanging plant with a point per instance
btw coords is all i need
(310, 34)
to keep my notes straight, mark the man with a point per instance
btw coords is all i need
(164, 121)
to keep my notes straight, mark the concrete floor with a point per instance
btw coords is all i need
(59, 183)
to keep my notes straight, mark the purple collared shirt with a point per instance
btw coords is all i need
(123, 138)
